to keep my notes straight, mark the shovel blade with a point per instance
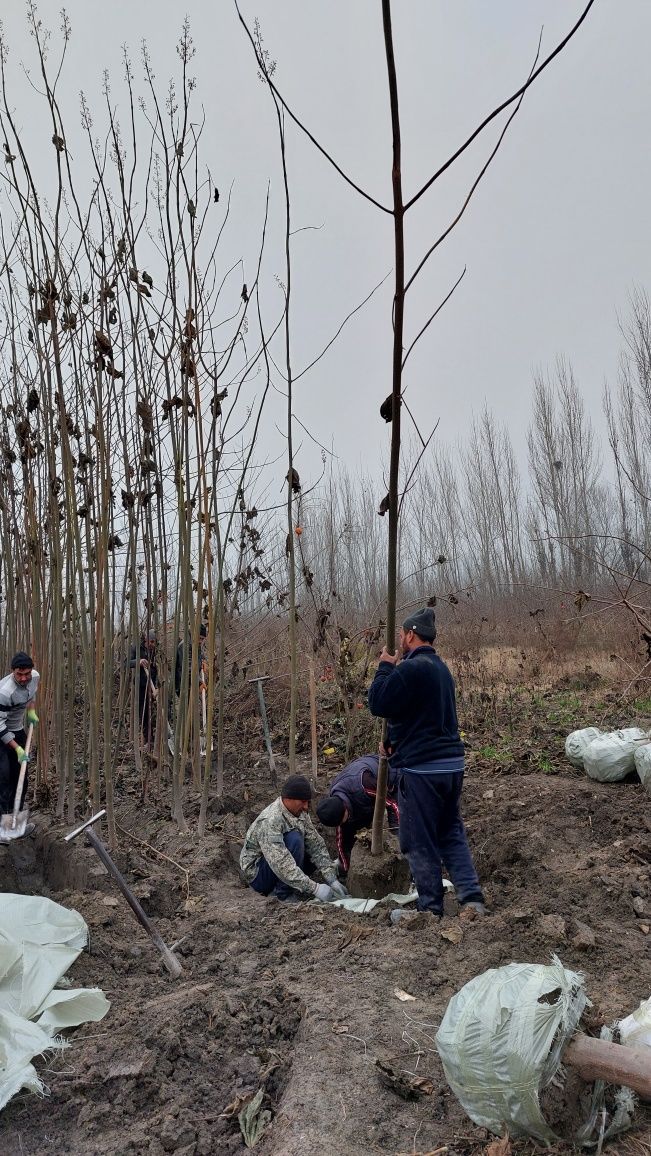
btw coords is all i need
(13, 827)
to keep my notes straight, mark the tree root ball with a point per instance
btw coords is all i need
(374, 876)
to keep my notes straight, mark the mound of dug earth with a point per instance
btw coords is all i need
(301, 1001)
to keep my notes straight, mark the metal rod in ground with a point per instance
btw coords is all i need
(313, 721)
(169, 959)
(265, 727)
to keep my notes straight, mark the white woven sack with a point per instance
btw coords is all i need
(501, 1040)
(612, 756)
(501, 1043)
(635, 1030)
(577, 742)
(643, 765)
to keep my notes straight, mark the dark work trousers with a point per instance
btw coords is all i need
(146, 708)
(432, 834)
(9, 772)
(266, 881)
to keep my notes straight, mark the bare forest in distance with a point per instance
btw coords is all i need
(137, 369)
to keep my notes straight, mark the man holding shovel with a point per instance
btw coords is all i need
(17, 694)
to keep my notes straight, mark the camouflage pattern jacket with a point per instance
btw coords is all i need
(264, 839)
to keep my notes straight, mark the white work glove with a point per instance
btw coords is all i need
(339, 889)
(323, 893)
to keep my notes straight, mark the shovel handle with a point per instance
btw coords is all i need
(21, 779)
(172, 963)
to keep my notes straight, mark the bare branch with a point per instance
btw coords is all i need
(263, 68)
(500, 108)
(429, 321)
(482, 173)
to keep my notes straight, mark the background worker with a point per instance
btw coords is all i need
(281, 845)
(349, 806)
(147, 684)
(17, 705)
(417, 696)
(178, 665)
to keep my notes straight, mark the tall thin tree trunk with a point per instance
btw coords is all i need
(394, 467)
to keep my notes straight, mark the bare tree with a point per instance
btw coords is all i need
(392, 406)
(127, 426)
(564, 466)
(492, 499)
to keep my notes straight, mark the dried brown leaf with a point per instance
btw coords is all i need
(235, 1106)
(452, 934)
(501, 1147)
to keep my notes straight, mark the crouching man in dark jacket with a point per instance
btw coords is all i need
(282, 845)
(417, 696)
(349, 806)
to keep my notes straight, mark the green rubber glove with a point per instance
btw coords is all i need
(32, 716)
(21, 755)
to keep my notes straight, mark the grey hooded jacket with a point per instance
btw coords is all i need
(13, 703)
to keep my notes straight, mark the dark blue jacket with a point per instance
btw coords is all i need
(354, 783)
(417, 697)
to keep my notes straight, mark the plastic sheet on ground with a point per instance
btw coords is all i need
(363, 906)
(501, 1042)
(39, 940)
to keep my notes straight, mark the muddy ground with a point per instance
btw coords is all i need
(300, 1000)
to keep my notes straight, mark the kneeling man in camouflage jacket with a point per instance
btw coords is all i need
(282, 844)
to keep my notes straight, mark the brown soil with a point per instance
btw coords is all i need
(374, 876)
(299, 1000)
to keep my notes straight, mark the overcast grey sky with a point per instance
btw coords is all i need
(554, 240)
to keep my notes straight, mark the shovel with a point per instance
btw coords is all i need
(203, 743)
(13, 826)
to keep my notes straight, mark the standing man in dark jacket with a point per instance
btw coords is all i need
(349, 806)
(417, 697)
